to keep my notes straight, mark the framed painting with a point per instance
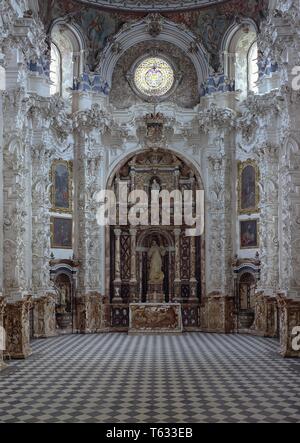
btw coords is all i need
(61, 233)
(249, 236)
(248, 187)
(61, 178)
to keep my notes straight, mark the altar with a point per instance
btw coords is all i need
(155, 318)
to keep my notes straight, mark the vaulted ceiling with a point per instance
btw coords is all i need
(151, 5)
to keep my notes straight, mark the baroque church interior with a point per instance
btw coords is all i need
(143, 322)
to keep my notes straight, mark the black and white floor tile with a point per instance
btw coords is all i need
(115, 378)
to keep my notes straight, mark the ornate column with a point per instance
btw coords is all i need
(217, 124)
(17, 202)
(177, 282)
(269, 241)
(1, 191)
(193, 281)
(216, 228)
(117, 282)
(133, 281)
(88, 160)
(41, 206)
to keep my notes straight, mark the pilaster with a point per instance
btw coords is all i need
(269, 236)
(87, 166)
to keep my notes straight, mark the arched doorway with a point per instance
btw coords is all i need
(129, 248)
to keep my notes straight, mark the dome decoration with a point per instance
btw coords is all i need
(151, 5)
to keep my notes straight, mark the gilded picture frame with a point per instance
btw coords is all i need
(62, 186)
(249, 234)
(248, 187)
(61, 233)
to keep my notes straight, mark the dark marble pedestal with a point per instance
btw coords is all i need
(155, 318)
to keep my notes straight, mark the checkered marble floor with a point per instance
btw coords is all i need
(115, 378)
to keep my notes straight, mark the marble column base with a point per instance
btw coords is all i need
(265, 323)
(44, 321)
(117, 292)
(217, 314)
(134, 296)
(16, 323)
(289, 314)
(191, 316)
(2, 364)
(91, 314)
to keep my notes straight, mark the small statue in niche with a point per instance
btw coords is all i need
(156, 254)
(155, 185)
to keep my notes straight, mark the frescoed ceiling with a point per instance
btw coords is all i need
(151, 5)
(99, 25)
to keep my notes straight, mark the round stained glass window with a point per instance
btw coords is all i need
(154, 77)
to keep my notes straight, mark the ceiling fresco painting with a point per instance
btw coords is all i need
(98, 26)
(151, 5)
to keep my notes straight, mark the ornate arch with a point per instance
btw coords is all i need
(74, 32)
(153, 27)
(121, 161)
(126, 251)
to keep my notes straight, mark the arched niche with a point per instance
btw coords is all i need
(65, 301)
(153, 28)
(127, 247)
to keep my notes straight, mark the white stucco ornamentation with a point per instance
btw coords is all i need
(212, 136)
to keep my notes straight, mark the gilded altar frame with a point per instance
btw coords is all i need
(242, 165)
(69, 165)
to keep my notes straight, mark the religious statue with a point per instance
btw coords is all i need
(63, 296)
(155, 254)
(155, 186)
